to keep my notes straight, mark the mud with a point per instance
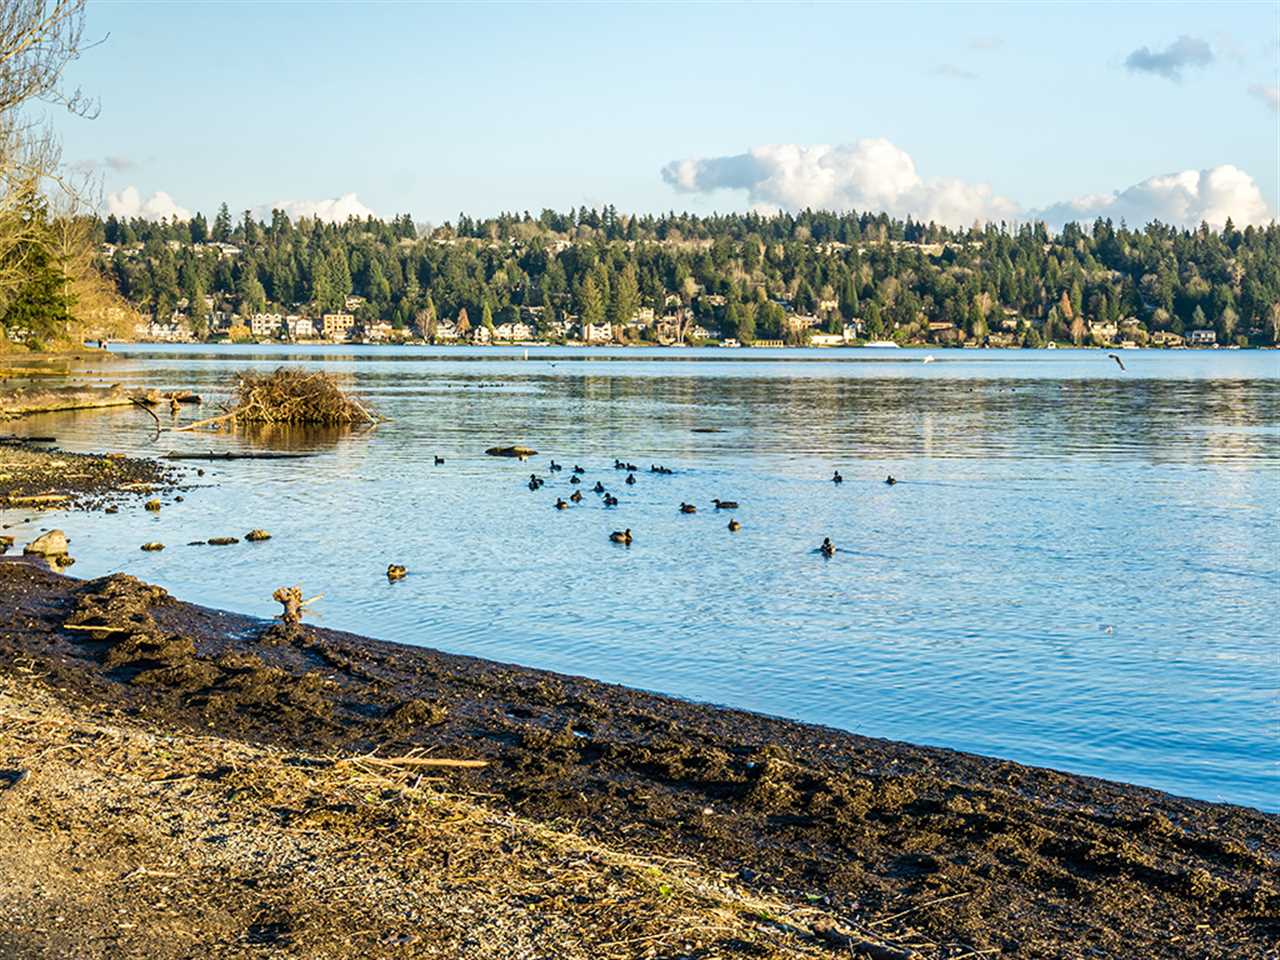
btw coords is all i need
(79, 481)
(963, 853)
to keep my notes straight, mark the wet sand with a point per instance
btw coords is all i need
(856, 840)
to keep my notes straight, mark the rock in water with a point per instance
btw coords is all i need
(153, 506)
(153, 546)
(222, 541)
(255, 536)
(51, 544)
(395, 571)
(516, 451)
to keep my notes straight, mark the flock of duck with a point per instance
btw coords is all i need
(826, 548)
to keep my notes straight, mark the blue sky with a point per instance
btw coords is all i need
(432, 109)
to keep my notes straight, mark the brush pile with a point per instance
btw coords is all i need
(292, 395)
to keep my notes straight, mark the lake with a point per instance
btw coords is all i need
(1078, 568)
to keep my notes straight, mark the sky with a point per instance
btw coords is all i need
(954, 112)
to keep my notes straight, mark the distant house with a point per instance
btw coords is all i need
(852, 330)
(827, 340)
(164, 332)
(698, 332)
(597, 332)
(1166, 338)
(380, 332)
(480, 334)
(513, 331)
(353, 302)
(803, 321)
(1203, 338)
(445, 330)
(1103, 332)
(337, 326)
(300, 328)
(266, 324)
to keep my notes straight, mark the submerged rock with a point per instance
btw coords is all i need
(222, 541)
(396, 572)
(515, 451)
(153, 506)
(153, 546)
(256, 536)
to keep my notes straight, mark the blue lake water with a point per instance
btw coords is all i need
(1079, 568)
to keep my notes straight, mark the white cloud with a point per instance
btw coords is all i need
(129, 203)
(1268, 93)
(1182, 199)
(869, 174)
(336, 210)
(876, 176)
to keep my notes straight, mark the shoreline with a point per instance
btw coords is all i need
(980, 852)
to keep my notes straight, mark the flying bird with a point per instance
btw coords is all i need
(1118, 361)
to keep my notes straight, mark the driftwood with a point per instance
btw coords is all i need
(291, 599)
(153, 398)
(230, 455)
(50, 399)
(15, 439)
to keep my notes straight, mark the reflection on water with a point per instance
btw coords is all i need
(1077, 568)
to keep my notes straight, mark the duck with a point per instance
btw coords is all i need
(653, 468)
(576, 496)
(889, 480)
(555, 467)
(578, 469)
(828, 549)
(395, 571)
(632, 467)
(631, 479)
(725, 504)
(533, 483)
(439, 461)
(621, 536)
(561, 505)
(688, 508)
(598, 488)
(610, 500)
(836, 478)
(575, 479)
(618, 464)
(734, 526)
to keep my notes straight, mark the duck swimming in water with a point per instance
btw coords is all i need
(836, 478)
(618, 464)
(561, 505)
(576, 496)
(610, 500)
(726, 504)
(534, 483)
(631, 479)
(439, 461)
(575, 479)
(621, 536)
(688, 508)
(578, 469)
(828, 549)
(555, 467)
(889, 480)
(598, 488)
(734, 526)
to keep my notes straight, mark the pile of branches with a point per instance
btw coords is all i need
(293, 395)
(290, 395)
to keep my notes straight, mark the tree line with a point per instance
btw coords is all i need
(737, 275)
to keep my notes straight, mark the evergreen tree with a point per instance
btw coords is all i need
(222, 225)
(590, 304)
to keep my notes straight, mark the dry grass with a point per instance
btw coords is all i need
(123, 841)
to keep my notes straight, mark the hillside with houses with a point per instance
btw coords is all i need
(597, 277)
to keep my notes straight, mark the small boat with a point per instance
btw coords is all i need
(882, 344)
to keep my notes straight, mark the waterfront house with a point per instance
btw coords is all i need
(827, 340)
(300, 328)
(480, 335)
(513, 331)
(337, 326)
(266, 325)
(597, 332)
(1166, 338)
(1203, 338)
(380, 332)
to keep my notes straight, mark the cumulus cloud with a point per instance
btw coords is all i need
(874, 175)
(870, 174)
(1268, 93)
(335, 210)
(1169, 63)
(1182, 199)
(129, 203)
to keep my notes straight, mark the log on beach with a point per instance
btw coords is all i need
(16, 403)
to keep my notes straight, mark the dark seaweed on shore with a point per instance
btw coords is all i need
(968, 852)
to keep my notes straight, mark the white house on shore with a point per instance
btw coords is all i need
(266, 324)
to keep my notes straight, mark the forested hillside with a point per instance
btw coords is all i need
(740, 275)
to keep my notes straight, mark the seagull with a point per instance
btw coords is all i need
(1118, 361)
